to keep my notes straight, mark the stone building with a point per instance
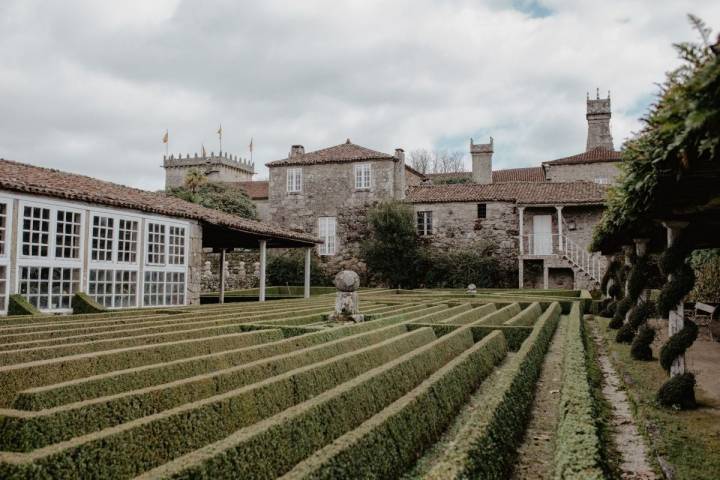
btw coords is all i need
(538, 219)
(217, 168)
(62, 233)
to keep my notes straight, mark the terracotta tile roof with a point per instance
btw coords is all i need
(256, 190)
(529, 174)
(21, 177)
(345, 152)
(522, 193)
(596, 155)
(415, 172)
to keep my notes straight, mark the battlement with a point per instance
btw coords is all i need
(481, 147)
(231, 161)
(598, 106)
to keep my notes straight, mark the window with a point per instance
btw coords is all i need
(156, 244)
(3, 228)
(36, 232)
(67, 234)
(294, 180)
(49, 287)
(164, 288)
(102, 239)
(127, 241)
(326, 229)
(602, 180)
(176, 255)
(482, 210)
(424, 223)
(3, 287)
(113, 288)
(362, 176)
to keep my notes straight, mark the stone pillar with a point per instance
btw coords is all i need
(611, 281)
(263, 262)
(521, 211)
(308, 253)
(347, 307)
(627, 252)
(521, 273)
(546, 276)
(641, 245)
(560, 227)
(676, 318)
(222, 276)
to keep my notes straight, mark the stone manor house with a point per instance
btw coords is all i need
(538, 218)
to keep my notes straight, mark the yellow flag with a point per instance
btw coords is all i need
(166, 137)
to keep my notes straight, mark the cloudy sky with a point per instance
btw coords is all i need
(90, 86)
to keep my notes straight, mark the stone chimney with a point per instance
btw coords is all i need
(481, 161)
(399, 183)
(296, 150)
(598, 117)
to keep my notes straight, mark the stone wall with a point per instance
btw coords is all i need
(263, 209)
(456, 225)
(242, 270)
(195, 263)
(584, 172)
(217, 168)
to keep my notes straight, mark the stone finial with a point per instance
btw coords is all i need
(347, 281)
(472, 289)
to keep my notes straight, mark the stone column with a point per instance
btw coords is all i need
(627, 252)
(308, 253)
(560, 227)
(676, 318)
(222, 276)
(263, 261)
(641, 250)
(521, 211)
(521, 273)
(611, 282)
(546, 276)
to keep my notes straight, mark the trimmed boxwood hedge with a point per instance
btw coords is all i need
(21, 376)
(18, 305)
(577, 448)
(527, 316)
(390, 442)
(500, 316)
(487, 444)
(272, 443)
(471, 315)
(25, 433)
(444, 314)
(83, 303)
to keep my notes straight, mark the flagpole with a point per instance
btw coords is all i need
(220, 136)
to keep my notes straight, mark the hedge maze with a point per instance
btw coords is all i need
(251, 390)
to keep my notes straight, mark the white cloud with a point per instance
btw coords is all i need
(90, 86)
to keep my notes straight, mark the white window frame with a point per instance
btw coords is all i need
(5, 254)
(165, 269)
(425, 231)
(363, 176)
(50, 266)
(294, 180)
(51, 260)
(328, 236)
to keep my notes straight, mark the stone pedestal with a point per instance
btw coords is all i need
(347, 306)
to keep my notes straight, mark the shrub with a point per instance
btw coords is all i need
(625, 333)
(18, 305)
(289, 269)
(83, 303)
(218, 197)
(641, 344)
(458, 268)
(678, 344)
(707, 278)
(391, 252)
(678, 392)
(676, 289)
(623, 307)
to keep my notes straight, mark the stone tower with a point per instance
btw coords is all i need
(598, 117)
(481, 161)
(218, 168)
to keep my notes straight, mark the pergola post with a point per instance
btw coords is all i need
(641, 245)
(546, 276)
(521, 211)
(263, 262)
(308, 253)
(222, 276)
(560, 227)
(676, 317)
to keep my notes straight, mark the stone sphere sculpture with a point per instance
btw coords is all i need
(347, 281)
(472, 288)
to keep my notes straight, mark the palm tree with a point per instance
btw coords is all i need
(194, 179)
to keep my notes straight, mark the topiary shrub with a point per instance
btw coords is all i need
(678, 344)
(83, 303)
(623, 307)
(640, 314)
(625, 334)
(18, 305)
(678, 392)
(641, 344)
(676, 289)
(615, 291)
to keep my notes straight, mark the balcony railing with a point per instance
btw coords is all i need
(564, 246)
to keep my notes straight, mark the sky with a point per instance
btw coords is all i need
(91, 86)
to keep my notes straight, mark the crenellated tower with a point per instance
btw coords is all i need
(218, 168)
(598, 118)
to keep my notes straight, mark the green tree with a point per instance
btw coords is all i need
(194, 179)
(219, 197)
(391, 251)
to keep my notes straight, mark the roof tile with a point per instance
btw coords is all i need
(345, 152)
(596, 155)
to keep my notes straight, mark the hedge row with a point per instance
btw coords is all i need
(577, 450)
(123, 451)
(528, 316)
(15, 378)
(273, 446)
(471, 315)
(389, 443)
(445, 313)
(500, 316)
(114, 382)
(388, 310)
(514, 335)
(487, 444)
(27, 431)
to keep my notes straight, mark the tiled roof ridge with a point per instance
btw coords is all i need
(595, 155)
(314, 156)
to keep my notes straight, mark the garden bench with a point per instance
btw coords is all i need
(706, 313)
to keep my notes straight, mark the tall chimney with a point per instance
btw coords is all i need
(297, 150)
(598, 117)
(399, 175)
(481, 161)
